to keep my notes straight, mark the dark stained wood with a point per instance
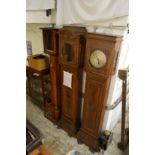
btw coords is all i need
(71, 52)
(97, 87)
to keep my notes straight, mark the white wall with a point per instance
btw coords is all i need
(113, 116)
(36, 11)
(39, 16)
(35, 19)
(34, 34)
(40, 4)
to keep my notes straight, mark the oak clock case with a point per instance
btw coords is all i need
(100, 64)
(71, 55)
(51, 47)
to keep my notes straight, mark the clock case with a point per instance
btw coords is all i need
(51, 47)
(97, 87)
(71, 59)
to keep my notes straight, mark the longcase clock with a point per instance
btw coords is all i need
(51, 47)
(100, 64)
(71, 55)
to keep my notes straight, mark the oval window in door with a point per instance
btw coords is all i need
(68, 52)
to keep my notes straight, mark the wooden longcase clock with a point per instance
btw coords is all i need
(100, 63)
(51, 47)
(71, 54)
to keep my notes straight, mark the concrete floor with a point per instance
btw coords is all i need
(57, 140)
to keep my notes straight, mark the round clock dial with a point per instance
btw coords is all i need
(97, 59)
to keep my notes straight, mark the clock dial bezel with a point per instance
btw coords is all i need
(98, 59)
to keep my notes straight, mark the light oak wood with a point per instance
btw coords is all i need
(41, 150)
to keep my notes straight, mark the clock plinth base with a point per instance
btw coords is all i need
(89, 139)
(67, 126)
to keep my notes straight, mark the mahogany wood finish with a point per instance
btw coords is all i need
(51, 47)
(97, 87)
(71, 55)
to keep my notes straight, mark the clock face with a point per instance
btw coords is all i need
(98, 59)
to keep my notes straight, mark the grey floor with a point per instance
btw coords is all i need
(58, 141)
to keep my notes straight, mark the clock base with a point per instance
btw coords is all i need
(66, 125)
(92, 141)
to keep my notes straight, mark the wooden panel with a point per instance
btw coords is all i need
(95, 99)
(71, 101)
(94, 103)
(67, 101)
(92, 100)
